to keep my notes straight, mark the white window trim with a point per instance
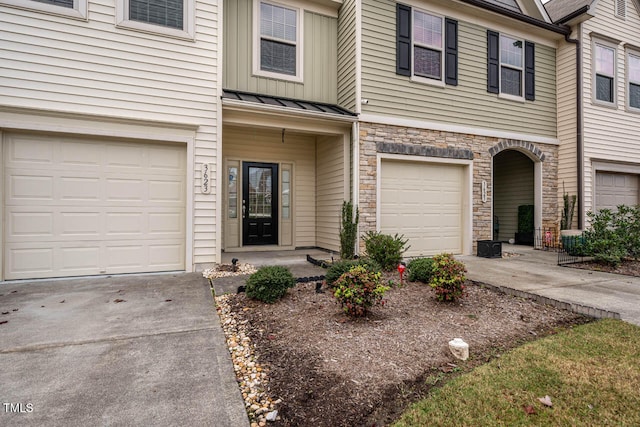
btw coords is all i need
(422, 79)
(630, 52)
(299, 44)
(188, 31)
(79, 10)
(521, 69)
(614, 47)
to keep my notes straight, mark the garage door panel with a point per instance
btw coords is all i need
(75, 217)
(423, 201)
(614, 189)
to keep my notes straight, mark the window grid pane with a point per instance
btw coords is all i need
(511, 81)
(604, 88)
(427, 29)
(64, 3)
(427, 62)
(259, 192)
(510, 51)
(277, 57)
(634, 69)
(604, 60)
(167, 13)
(278, 22)
(634, 95)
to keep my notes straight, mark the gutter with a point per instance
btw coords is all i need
(559, 29)
(579, 133)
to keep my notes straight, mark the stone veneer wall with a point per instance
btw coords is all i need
(375, 138)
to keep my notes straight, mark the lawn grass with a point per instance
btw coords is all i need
(590, 372)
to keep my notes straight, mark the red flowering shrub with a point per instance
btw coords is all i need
(448, 278)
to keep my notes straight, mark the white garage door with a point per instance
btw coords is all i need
(423, 201)
(614, 189)
(80, 207)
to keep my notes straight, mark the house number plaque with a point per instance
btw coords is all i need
(206, 178)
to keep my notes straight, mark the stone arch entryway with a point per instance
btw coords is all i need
(517, 183)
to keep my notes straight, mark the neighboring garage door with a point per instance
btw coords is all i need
(81, 207)
(614, 189)
(423, 201)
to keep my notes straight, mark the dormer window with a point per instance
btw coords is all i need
(277, 50)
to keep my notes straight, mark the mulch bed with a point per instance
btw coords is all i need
(627, 267)
(330, 370)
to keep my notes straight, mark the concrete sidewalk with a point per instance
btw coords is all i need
(537, 272)
(126, 350)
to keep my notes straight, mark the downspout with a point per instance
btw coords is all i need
(579, 133)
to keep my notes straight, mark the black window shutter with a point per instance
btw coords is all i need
(529, 71)
(403, 36)
(451, 52)
(493, 62)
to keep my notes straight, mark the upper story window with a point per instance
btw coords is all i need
(604, 73)
(510, 66)
(70, 8)
(633, 76)
(277, 48)
(427, 46)
(167, 17)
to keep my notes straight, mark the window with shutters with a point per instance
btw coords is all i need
(167, 17)
(510, 66)
(69, 8)
(604, 73)
(277, 45)
(427, 46)
(633, 81)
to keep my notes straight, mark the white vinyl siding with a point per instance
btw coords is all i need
(610, 135)
(53, 64)
(468, 103)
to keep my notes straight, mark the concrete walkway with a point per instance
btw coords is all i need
(537, 272)
(127, 350)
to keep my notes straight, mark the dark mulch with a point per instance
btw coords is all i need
(330, 370)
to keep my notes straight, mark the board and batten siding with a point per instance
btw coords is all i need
(320, 40)
(467, 104)
(261, 145)
(610, 134)
(332, 189)
(347, 55)
(62, 65)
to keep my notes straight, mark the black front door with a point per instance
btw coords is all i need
(259, 203)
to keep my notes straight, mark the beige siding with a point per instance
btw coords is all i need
(567, 119)
(512, 186)
(347, 55)
(611, 134)
(59, 64)
(467, 104)
(320, 58)
(259, 145)
(332, 181)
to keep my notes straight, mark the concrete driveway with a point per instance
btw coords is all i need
(536, 272)
(126, 350)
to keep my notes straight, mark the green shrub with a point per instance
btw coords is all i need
(448, 278)
(348, 230)
(270, 283)
(603, 241)
(385, 249)
(421, 270)
(338, 268)
(358, 289)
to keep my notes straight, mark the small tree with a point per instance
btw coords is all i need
(348, 230)
(569, 204)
